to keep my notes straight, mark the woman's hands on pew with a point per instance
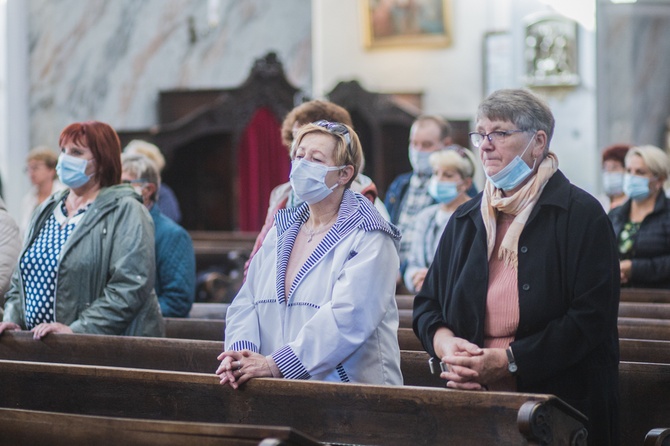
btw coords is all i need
(469, 367)
(488, 367)
(239, 367)
(54, 327)
(11, 326)
(446, 345)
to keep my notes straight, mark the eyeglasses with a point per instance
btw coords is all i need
(337, 129)
(497, 136)
(140, 181)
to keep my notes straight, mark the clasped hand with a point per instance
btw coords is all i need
(470, 367)
(238, 367)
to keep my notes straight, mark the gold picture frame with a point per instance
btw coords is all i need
(406, 23)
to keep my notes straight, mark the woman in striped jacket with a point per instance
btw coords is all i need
(319, 299)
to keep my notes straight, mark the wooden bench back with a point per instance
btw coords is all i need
(338, 413)
(53, 428)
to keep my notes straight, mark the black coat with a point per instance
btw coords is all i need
(651, 250)
(568, 275)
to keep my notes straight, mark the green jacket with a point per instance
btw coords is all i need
(106, 270)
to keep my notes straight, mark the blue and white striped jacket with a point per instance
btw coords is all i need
(339, 321)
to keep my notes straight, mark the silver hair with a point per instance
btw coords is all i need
(521, 107)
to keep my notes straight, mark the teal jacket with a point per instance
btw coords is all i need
(106, 269)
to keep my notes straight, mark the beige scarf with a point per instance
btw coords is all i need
(520, 205)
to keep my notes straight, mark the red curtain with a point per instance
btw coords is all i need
(263, 163)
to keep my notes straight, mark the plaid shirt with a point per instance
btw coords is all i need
(415, 200)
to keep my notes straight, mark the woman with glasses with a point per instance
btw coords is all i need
(523, 292)
(87, 264)
(453, 170)
(175, 258)
(319, 299)
(41, 168)
(642, 224)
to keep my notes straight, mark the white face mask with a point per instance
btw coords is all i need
(308, 180)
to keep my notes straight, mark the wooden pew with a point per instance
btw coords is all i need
(645, 295)
(222, 242)
(53, 428)
(200, 357)
(644, 350)
(200, 329)
(213, 330)
(404, 301)
(339, 413)
(657, 437)
(639, 328)
(644, 310)
(209, 310)
(181, 355)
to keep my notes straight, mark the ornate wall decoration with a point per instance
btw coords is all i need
(550, 52)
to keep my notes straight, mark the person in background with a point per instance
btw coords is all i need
(10, 247)
(175, 258)
(87, 264)
(41, 168)
(523, 293)
(613, 172)
(167, 200)
(642, 224)
(319, 299)
(453, 170)
(408, 193)
(282, 196)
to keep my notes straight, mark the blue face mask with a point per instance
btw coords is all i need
(72, 171)
(613, 183)
(419, 162)
(637, 188)
(512, 174)
(443, 191)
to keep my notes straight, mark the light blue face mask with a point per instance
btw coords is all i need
(72, 171)
(443, 191)
(419, 162)
(637, 188)
(613, 183)
(514, 173)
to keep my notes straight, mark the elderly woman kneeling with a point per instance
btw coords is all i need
(319, 299)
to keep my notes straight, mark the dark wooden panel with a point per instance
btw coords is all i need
(342, 413)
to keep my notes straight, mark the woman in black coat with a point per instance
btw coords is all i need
(642, 224)
(523, 293)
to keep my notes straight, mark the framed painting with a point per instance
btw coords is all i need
(406, 23)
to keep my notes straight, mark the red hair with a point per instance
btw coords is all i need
(616, 152)
(103, 142)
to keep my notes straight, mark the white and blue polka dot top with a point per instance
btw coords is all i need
(39, 265)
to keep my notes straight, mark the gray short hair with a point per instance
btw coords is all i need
(143, 168)
(526, 110)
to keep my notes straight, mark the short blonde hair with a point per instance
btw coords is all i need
(348, 150)
(656, 159)
(455, 157)
(44, 154)
(151, 151)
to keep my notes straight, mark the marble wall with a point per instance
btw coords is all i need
(107, 60)
(633, 66)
